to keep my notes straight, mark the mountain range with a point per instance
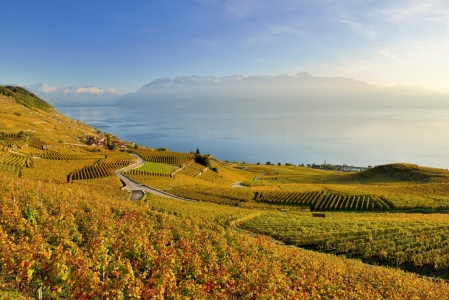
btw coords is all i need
(295, 91)
(75, 96)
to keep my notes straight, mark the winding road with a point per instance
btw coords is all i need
(136, 188)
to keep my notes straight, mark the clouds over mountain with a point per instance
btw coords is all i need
(75, 96)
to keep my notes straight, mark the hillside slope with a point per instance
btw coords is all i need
(83, 239)
(35, 118)
(24, 97)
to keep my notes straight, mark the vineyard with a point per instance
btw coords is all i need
(3, 152)
(9, 168)
(54, 170)
(66, 155)
(419, 168)
(60, 153)
(223, 215)
(138, 175)
(117, 163)
(91, 172)
(219, 195)
(165, 157)
(77, 242)
(212, 176)
(324, 200)
(194, 169)
(103, 168)
(32, 151)
(393, 240)
(396, 173)
(17, 161)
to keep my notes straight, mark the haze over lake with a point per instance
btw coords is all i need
(353, 137)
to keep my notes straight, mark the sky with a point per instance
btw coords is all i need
(127, 44)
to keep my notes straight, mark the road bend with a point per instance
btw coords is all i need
(136, 188)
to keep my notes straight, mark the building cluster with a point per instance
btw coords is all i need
(342, 168)
(97, 142)
(102, 142)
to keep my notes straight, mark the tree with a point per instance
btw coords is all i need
(197, 152)
(205, 161)
(109, 141)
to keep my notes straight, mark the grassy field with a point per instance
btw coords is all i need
(157, 167)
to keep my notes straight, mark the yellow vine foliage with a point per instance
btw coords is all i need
(77, 241)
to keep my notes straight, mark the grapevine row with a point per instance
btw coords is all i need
(322, 201)
(172, 158)
(18, 161)
(90, 172)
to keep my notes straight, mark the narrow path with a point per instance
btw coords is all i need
(133, 187)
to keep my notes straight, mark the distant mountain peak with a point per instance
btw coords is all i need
(73, 95)
(195, 80)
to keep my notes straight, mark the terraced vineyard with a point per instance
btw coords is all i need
(223, 215)
(66, 155)
(395, 240)
(91, 172)
(117, 163)
(165, 157)
(32, 151)
(404, 166)
(17, 160)
(419, 245)
(3, 152)
(322, 201)
(194, 169)
(212, 193)
(55, 171)
(398, 172)
(103, 168)
(378, 178)
(216, 178)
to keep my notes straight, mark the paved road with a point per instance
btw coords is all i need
(238, 184)
(133, 186)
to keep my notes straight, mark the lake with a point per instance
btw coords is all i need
(352, 137)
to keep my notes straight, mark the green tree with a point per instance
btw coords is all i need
(205, 161)
(108, 141)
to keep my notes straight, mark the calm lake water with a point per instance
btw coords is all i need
(359, 138)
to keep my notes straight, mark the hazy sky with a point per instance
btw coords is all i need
(126, 44)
